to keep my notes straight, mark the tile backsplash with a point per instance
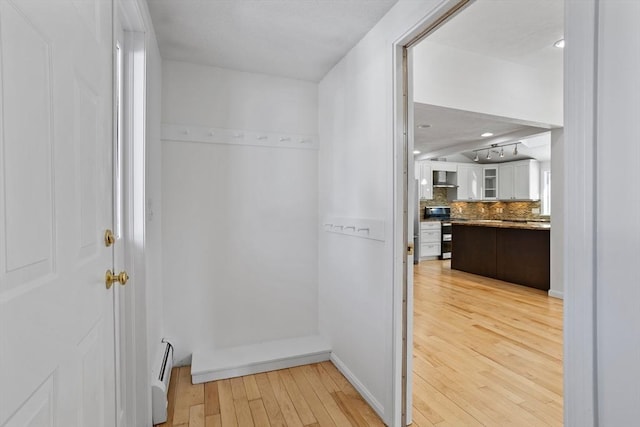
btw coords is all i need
(484, 209)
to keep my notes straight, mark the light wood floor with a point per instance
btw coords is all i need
(312, 395)
(486, 352)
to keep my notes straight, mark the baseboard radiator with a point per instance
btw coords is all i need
(160, 384)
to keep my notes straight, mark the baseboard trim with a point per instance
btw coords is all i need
(556, 294)
(364, 392)
(234, 362)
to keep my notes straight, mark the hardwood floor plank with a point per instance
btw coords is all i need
(243, 412)
(211, 399)
(213, 421)
(289, 412)
(187, 395)
(299, 402)
(340, 381)
(259, 413)
(352, 414)
(318, 409)
(227, 406)
(269, 400)
(196, 416)
(237, 388)
(251, 387)
(323, 394)
(345, 386)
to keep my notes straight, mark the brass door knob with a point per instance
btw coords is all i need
(110, 278)
(109, 238)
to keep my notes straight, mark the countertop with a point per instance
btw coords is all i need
(496, 223)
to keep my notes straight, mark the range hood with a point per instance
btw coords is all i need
(442, 179)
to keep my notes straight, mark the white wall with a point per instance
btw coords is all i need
(153, 194)
(455, 78)
(240, 223)
(356, 180)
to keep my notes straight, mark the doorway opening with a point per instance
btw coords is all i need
(464, 78)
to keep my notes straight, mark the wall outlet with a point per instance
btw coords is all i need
(535, 210)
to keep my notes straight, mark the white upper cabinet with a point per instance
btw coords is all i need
(506, 186)
(469, 182)
(424, 176)
(519, 180)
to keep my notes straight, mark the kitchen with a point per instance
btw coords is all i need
(481, 203)
(488, 133)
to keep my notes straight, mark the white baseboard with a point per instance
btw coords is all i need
(251, 359)
(556, 294)
(366, 394)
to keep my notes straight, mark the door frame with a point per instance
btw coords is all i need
(403, 174)
(135, 361)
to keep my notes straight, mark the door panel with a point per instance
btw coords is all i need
(56, 316)
(28, 224)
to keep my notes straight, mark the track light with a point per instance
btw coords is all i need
(494, 148)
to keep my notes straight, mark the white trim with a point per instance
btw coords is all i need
(556, 294)
(364, 392)
(580, 394)
(136, 366)
(397, 235)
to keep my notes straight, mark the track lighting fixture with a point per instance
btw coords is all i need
(494, 148)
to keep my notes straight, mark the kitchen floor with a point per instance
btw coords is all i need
(486, 352)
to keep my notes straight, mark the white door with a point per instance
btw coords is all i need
(56, 315)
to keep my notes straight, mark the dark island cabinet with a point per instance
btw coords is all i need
(514, 255)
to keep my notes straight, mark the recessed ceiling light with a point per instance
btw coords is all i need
(559, 44)
(424, 126)
(486, 134)
(416, 152)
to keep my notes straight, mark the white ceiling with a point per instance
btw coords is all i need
(457, 131)
(300, 39)
(519, 31)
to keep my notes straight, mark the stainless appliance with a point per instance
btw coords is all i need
(443, 214)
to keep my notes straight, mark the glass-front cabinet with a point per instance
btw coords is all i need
(490, 174)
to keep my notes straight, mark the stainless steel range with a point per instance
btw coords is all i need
(443, 214)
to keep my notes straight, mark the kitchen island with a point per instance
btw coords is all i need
(516, 252)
